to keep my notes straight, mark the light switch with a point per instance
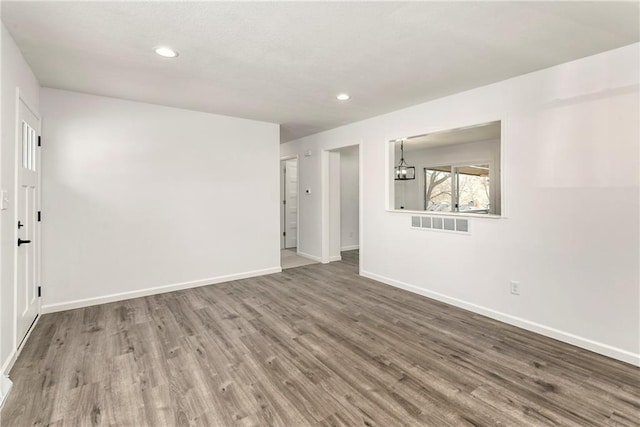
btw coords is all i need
(4, 200)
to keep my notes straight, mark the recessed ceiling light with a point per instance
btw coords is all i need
(167, 52)
(343, 96)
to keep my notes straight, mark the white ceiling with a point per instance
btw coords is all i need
(284, 62)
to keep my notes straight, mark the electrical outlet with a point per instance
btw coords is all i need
(514, 287)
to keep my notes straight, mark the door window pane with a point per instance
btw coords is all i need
(25, 145)
(34, 149)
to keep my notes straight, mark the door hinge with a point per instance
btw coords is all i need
(284, 202)
(39, 291)
(39, 216)
(39, 140)
(284, 233)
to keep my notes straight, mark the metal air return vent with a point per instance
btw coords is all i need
(441, 223)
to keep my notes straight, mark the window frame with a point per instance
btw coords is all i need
(455, 196)
(454, 185)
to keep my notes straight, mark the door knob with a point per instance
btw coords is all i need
(22, 242)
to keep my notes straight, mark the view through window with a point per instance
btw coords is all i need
(460, 171)
(457, 189)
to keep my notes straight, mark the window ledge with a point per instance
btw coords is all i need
(436, 213)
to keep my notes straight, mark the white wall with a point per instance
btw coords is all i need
(141, 198)
(571, 201)
(349, 198)
(15, 74)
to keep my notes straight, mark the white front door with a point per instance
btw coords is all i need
(291, 203)
(28, 201)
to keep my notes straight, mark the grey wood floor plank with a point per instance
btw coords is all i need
(316, 345)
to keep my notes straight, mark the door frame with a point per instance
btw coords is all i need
(325, 179)
(283, 225)
(19, 341)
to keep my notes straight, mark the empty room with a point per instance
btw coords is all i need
(320, 213)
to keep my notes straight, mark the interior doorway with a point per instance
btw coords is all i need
(290, 257)
(289, 205)
(342, 202)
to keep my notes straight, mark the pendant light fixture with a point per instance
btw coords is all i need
(404, 172)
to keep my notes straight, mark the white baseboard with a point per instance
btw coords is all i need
(5, 388)
(349, 248)
(309, 256)
(52, 308)
(319, 259)
(587, 344)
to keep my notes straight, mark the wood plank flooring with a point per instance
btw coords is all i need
(313, 346)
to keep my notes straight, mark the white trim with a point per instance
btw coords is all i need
(360, 203)
(309, 256)
(325, 173)
(438, 213)
(504, 167)
(5, 388)
(325, 222)
(350, 248)
(52, 308)
(585, 343)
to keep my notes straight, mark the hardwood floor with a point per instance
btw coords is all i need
(312, 346)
